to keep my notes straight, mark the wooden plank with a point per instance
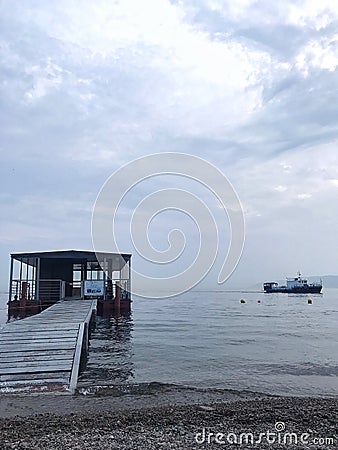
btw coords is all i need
(38, 330)
(24, 341)
(40, 345)
(56, 383)
(36, 363)
(26, 338)
(66, 367)
(50, 321)
(28, 348)
(31, 325)
(37, 353)
(54, 326)
(61, 323)
(38, 367)
(43, 327)
(31, 336)
(65, 313)
(31, 341)
(17, 337)
(32, 376)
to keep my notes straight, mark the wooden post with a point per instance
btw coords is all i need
(27, 281)
(23, 299)
(104, 278)
(129, 279)
(117, 301)
(20, 280)
(11, 279)
(37, 289)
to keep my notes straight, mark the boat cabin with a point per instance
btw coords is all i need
(296, 282)
(270, 285)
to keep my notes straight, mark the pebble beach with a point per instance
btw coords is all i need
(168, 419)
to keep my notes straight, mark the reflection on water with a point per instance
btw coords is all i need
(110, 352)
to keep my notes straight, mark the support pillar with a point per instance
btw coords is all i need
(104, 278)
(129, 280)
(37, 290)
(117, 301)
(11, 279)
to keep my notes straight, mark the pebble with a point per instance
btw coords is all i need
(173, 427)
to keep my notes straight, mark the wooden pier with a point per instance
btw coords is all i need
(46, 351)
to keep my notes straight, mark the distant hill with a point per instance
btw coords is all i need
(329, 281)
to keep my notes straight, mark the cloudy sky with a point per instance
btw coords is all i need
(250, 86)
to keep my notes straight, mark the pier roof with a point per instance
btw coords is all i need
(76, 256)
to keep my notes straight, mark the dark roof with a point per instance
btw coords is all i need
(75, 255)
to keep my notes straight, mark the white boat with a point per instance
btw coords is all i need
(296, 285)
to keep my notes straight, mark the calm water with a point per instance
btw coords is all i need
(209, 339)
(3, 308)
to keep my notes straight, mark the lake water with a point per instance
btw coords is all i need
(3, 308)
(282, 345)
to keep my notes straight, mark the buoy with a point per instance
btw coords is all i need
(309, 300)
(242, 300)
(258, 301)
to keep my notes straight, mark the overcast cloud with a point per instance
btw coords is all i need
(251, 86)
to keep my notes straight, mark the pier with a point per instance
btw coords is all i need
(40, 279)
(47, 350)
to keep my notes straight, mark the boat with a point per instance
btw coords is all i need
(295, 285)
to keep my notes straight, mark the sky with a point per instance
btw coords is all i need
(249, 86)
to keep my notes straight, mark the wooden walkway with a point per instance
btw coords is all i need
(46, 349)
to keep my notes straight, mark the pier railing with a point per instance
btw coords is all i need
(23, 289)
(45, 290)
(53, 290)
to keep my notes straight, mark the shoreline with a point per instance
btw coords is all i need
(163, 417)
(115, 397)
(105, 397)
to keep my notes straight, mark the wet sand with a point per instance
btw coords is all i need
(108, 398)
(166, 418)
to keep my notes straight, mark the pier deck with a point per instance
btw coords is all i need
(46, 349)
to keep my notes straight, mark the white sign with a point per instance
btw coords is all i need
(93, 288)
